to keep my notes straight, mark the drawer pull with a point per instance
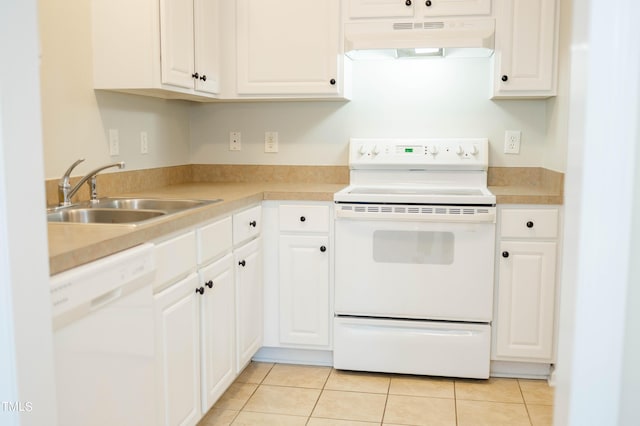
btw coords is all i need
(302, 218)
(253, 223)
(242, 263)
(323, 249)
(505, 254)
(200, 290)
(529, 224)
(209, 284)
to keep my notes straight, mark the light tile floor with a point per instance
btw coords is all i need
(281, 394)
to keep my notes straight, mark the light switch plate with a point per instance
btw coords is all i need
(114, 142)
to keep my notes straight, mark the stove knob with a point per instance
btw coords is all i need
(433, 149)
(459, 150)
(363, 150)
(473, 150)
(376, 150)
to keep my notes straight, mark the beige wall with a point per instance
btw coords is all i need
(76, 119)
(424, 98)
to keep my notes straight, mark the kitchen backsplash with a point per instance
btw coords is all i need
(113, 184)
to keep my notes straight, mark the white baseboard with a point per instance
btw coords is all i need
(520, 370)
(509, 369)
(294, 356)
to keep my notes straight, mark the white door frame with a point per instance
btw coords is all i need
(27, 387)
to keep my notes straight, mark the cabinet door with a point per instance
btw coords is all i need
(248, 275)
(217, 330)
(526, 48)
(176, 42)
(288, 47)
(526, 292)
(380, 9)
(304, 290)
(177, 320)
(207, 45)
(456, 7)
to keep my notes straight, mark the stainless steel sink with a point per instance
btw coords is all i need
(84, 215)
(149, 204)
(122, 210)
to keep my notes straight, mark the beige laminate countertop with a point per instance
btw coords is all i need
(72, 245)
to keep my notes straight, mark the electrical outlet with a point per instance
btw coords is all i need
(234, 141)
(114, 142)
(144, 143)
(512, 141)
(270, 141)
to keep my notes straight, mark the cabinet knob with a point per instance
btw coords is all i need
(203, 78)
(530, 224)
(408, 2)
(209, 284)
(323, 249)
(505, 254)
(302, 218)
(333, 80)
(195, 75)
(253, 223)
(200, 290)
(428, 3)
(504, 78)
(242, 263)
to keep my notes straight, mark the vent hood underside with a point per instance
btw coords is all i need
(468, 38)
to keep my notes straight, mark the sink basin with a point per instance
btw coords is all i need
(122, 210)
(91, 215)
(150, 204)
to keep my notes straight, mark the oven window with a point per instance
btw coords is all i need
(422, 247)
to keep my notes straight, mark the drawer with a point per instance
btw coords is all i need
(301, 218)
(214, 239)
(175, 259)
(247, 224)
(529, 223)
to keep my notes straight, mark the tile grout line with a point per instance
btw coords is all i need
(252, 393)
(319, 396)
(526, 407)
(455, 402)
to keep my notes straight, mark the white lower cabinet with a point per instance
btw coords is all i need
(208, 324)
(526, 299)
(248, 278)
(304, 289)
(217, 330)
(527, 250)
(298, 308)
(177, 320)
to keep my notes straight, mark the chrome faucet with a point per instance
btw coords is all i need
(65, 192)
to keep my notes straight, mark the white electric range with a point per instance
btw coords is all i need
(414, 247)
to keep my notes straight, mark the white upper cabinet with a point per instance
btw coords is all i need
(526, 52)
(162, 48)
(206, 21)
(288, 49)
(416, 8)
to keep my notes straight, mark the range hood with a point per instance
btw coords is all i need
(399, 38)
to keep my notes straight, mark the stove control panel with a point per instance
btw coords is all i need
(427, 154)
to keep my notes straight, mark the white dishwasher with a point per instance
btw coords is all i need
(104, 341)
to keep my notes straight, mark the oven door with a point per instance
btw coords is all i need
(420, 269)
